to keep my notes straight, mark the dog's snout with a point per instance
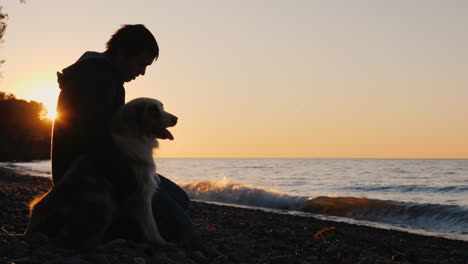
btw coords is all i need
(174, 120)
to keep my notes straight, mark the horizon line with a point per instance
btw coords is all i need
(308, 158)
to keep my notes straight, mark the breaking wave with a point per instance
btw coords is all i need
(442, 218)
(241, 194)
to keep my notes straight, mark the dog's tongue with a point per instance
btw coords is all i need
(168, 135)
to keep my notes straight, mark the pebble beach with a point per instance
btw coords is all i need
(228, 235)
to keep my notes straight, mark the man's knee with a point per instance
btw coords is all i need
(175, 191)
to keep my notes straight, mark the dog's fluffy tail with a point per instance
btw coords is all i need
(35, 201)
(32, 226)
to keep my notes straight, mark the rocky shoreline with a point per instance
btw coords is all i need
(228, 235)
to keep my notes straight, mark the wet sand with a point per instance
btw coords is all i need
(228, 235)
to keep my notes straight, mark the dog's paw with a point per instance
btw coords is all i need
(169, 245)
(162, 245)
(157, 241)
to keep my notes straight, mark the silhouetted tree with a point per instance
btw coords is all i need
(3, 25)
(2, 28)
(24, 132)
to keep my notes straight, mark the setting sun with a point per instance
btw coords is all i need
(41, 90)
(46, 93)
(51, 114)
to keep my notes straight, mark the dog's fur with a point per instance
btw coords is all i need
(81, 208)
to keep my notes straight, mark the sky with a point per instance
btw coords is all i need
(271, 78)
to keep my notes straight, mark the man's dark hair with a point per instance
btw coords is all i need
(132, 40)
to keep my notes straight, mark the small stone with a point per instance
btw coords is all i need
(18, 249)
(199, 257)
(221, 259)
(224, 248)
(345, 247)
(318, 244)
(99, 259)
(213, 252)
(139, 260)
(332, 250)
(141, 248)
(328, 259)
(279, 259)
(238, 256)
(76, 260)
(382, 260)
(367, 260)
(190, 261)
(161, 259)
(178, 256)
(347, 260)
(282, 233)
(305, 261)
(312, 258)
(278, 245)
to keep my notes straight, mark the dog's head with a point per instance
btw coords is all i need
(143, 117)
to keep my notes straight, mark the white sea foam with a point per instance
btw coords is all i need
(441, 219)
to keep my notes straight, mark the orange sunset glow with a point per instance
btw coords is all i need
(263, 79)
(40, 90)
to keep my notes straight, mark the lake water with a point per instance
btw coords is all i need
(421, 196)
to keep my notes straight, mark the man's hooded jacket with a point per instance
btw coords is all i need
(90, 94)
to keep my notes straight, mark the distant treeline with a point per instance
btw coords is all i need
(24, 131)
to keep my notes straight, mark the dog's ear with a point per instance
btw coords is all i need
(123, 119)
(133, 114)
(155, 109)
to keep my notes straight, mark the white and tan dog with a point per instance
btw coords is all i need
(81, 208)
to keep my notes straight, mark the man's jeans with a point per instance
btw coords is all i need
(170, 203)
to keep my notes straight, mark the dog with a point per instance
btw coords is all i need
(80, 209)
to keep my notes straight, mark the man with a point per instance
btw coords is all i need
(91, 92)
